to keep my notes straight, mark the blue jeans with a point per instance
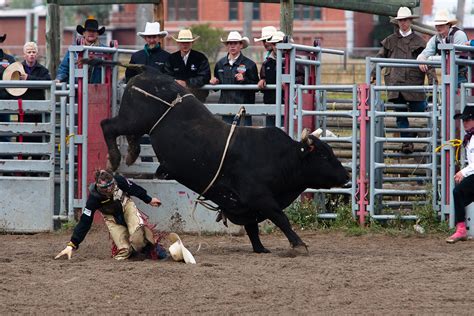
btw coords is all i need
(413, 106)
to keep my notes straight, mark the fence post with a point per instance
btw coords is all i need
(362, 92)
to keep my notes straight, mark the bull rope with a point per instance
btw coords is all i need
(171, 105)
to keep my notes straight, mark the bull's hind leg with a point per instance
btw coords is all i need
(133, 149)
(252, 232)
(112, 128)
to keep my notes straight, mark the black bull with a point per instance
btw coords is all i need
(264, 170)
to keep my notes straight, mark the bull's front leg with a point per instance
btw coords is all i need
(133, 149)
(269, 209)
(252, 232)
(110, 133)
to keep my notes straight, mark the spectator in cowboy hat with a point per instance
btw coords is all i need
(463, 192)
(90, 34)
(267, 33)
(190, 68)
(447, 33)
(405, 44)
(235, 68)
(152, 54)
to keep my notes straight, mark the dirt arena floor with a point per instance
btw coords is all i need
(342, 274)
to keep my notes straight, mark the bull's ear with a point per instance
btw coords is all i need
(317, 133)
(304, 135)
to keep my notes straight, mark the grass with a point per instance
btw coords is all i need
(303, 215)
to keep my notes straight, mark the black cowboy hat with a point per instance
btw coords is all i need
(90, 25)
(2, 38)
(467, 114)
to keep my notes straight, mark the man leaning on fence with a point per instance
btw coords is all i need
(235, 68)
(405, 44)
(90, 33)
(446, 33)
(188, 67)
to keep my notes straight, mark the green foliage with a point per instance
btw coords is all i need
(66, 226)
(73, 15)
(381, 30)
(429, 218)
(21, 4)
(209, 42)
(302, 213)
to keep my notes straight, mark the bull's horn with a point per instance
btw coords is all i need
(317, 133)
(304, 135)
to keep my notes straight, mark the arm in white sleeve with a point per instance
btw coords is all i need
(430, 49)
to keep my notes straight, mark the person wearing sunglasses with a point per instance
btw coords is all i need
(128, 227)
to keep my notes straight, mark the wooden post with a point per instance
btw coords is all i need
(53, 39)
(287, 16)
(159, 16)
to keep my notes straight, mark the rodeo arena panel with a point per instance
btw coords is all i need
(53, 170)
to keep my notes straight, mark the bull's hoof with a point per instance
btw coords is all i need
(300, 249)
(130, 160)
(262, 250)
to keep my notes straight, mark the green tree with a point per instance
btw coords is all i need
(21, 4)
(209, 42)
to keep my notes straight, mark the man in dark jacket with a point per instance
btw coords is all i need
(152, 54)
(405, 44)
(190, 68)
(235, 68)
(33, 71)
(110, 194)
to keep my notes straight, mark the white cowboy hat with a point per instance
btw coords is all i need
(235, 36)
(178, 251)
(443, 17)
(267, 32)
(277, 37)
(405, 13)
(152, 29)
(185, 36)
(13, 72)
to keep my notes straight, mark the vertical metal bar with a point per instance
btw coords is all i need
(72, 137)
(452, 103)
(52, 144)
(372, 119)
(278, 89)
(363, 153)
(291, 101)
(434, 138)
(300, 112)
(354, 151)
(62, 154)
(444, 137)
(114, 85)
(85, 129)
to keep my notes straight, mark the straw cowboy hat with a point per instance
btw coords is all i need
(277, 37)
(405, 13)
(443, 17)
(152, 28)
(235, 36)
(3, 38)
(90, 25)
(178, 251)
(13, 72)
(267, 33)
(185, 36)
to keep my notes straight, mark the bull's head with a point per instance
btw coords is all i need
(322, 168)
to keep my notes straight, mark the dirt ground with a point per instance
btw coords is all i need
(342, 274)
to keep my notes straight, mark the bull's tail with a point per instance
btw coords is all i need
(101, 62)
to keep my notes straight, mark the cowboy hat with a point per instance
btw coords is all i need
(267, 32)
(153, 28)
(3, 38)
(185, 36)
(467, 114)
(443, 17)
(235, 36)
(13, 72)
(90, 25)
(177, 250)
(277, 37)
(405, 13)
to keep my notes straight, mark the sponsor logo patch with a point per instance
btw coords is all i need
(87, 212)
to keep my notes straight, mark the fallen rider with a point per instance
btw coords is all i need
(128, 227)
